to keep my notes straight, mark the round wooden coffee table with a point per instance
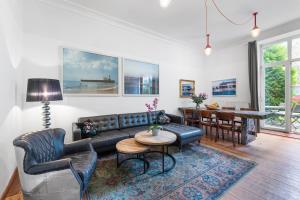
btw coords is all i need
(131, 147)
(163, 139)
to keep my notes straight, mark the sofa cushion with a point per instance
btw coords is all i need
(84, 163)
(183, 131)
(134, 130)
(133, 119)
(104, 122)
(108, 138)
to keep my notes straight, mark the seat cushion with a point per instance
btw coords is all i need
(135, 130)
(183, 131)
(108, 138)
(85, 164)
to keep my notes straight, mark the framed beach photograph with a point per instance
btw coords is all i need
(140, 78)
(87, 73)
(225, 87)
(187, 88)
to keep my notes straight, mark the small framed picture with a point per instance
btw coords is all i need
(225, 87)
(187, 88)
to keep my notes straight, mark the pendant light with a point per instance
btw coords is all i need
(165, 3)
(208, 48)
(255, 30)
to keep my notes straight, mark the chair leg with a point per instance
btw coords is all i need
(233, 139)
(223, 135)
(217, 135)
(210, 132)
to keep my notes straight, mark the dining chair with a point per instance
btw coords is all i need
(190, 117)
(228, 108)
(225, 122)
(206, 121)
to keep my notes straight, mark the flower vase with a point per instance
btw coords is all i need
(197, 106)
(155, 131)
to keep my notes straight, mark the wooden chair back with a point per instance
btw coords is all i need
(247, 109)
(188, 113)
(228, 108)
(205, 115)
(225, 116)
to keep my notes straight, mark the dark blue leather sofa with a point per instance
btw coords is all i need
(114, 128)
(50, 169)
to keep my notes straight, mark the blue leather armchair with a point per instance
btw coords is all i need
(50, 169)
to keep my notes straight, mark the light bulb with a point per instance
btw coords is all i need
(165, 3)
(255, 32)
(208, 50)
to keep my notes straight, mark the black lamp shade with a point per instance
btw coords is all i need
(43, 90)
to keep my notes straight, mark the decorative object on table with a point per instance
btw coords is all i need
(44, 90)
(155, 128)
(140, 78)
(86, 73)
(213, 106)
(199, 99)
(225, 87)
(186, 88)
(87, 128)
(200, 173)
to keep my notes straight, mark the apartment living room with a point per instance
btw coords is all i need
(139, 99)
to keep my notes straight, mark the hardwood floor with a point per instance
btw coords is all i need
(276, 176)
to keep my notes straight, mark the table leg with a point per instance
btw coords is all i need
(117, 159)
(163, 159)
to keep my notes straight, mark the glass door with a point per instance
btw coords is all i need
(280, 84)
(275, 97)
(275, 85)
(295, 86)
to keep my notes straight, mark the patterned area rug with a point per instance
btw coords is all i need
(200, 173)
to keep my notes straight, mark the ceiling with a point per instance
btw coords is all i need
(183, 20)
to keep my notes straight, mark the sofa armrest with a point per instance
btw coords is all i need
(50, 166)
(78, 146)
(176, 119)
(76, 132)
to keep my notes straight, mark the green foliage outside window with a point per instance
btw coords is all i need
(275, 76)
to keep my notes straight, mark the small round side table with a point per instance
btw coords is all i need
(131, 147)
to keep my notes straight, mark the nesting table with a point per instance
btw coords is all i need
(141, 143)
(163, 139)
(131, 147)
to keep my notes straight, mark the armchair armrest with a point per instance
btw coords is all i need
(76, 132)
(176, 119)
(78, 146)
(50, 166)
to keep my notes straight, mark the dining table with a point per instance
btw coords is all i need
(248, 118)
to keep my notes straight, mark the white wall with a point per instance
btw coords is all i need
(227, 63)
(10, 112)
(47, 28)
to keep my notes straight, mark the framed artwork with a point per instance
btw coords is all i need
(88, 73)
(140, 78)
(187, 88)
(225, 87)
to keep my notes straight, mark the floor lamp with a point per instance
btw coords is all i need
(44, 90)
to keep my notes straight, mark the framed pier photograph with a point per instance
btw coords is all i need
(89, 73)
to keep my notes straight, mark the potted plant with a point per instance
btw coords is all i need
(154, 128)
(199, 99)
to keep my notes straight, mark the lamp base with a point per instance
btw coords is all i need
(46, 114)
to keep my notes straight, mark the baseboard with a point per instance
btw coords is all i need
(9, 185)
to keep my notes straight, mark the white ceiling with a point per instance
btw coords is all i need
(184, 19)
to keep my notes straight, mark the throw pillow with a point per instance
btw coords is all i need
(88, 128)
(163, 119)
